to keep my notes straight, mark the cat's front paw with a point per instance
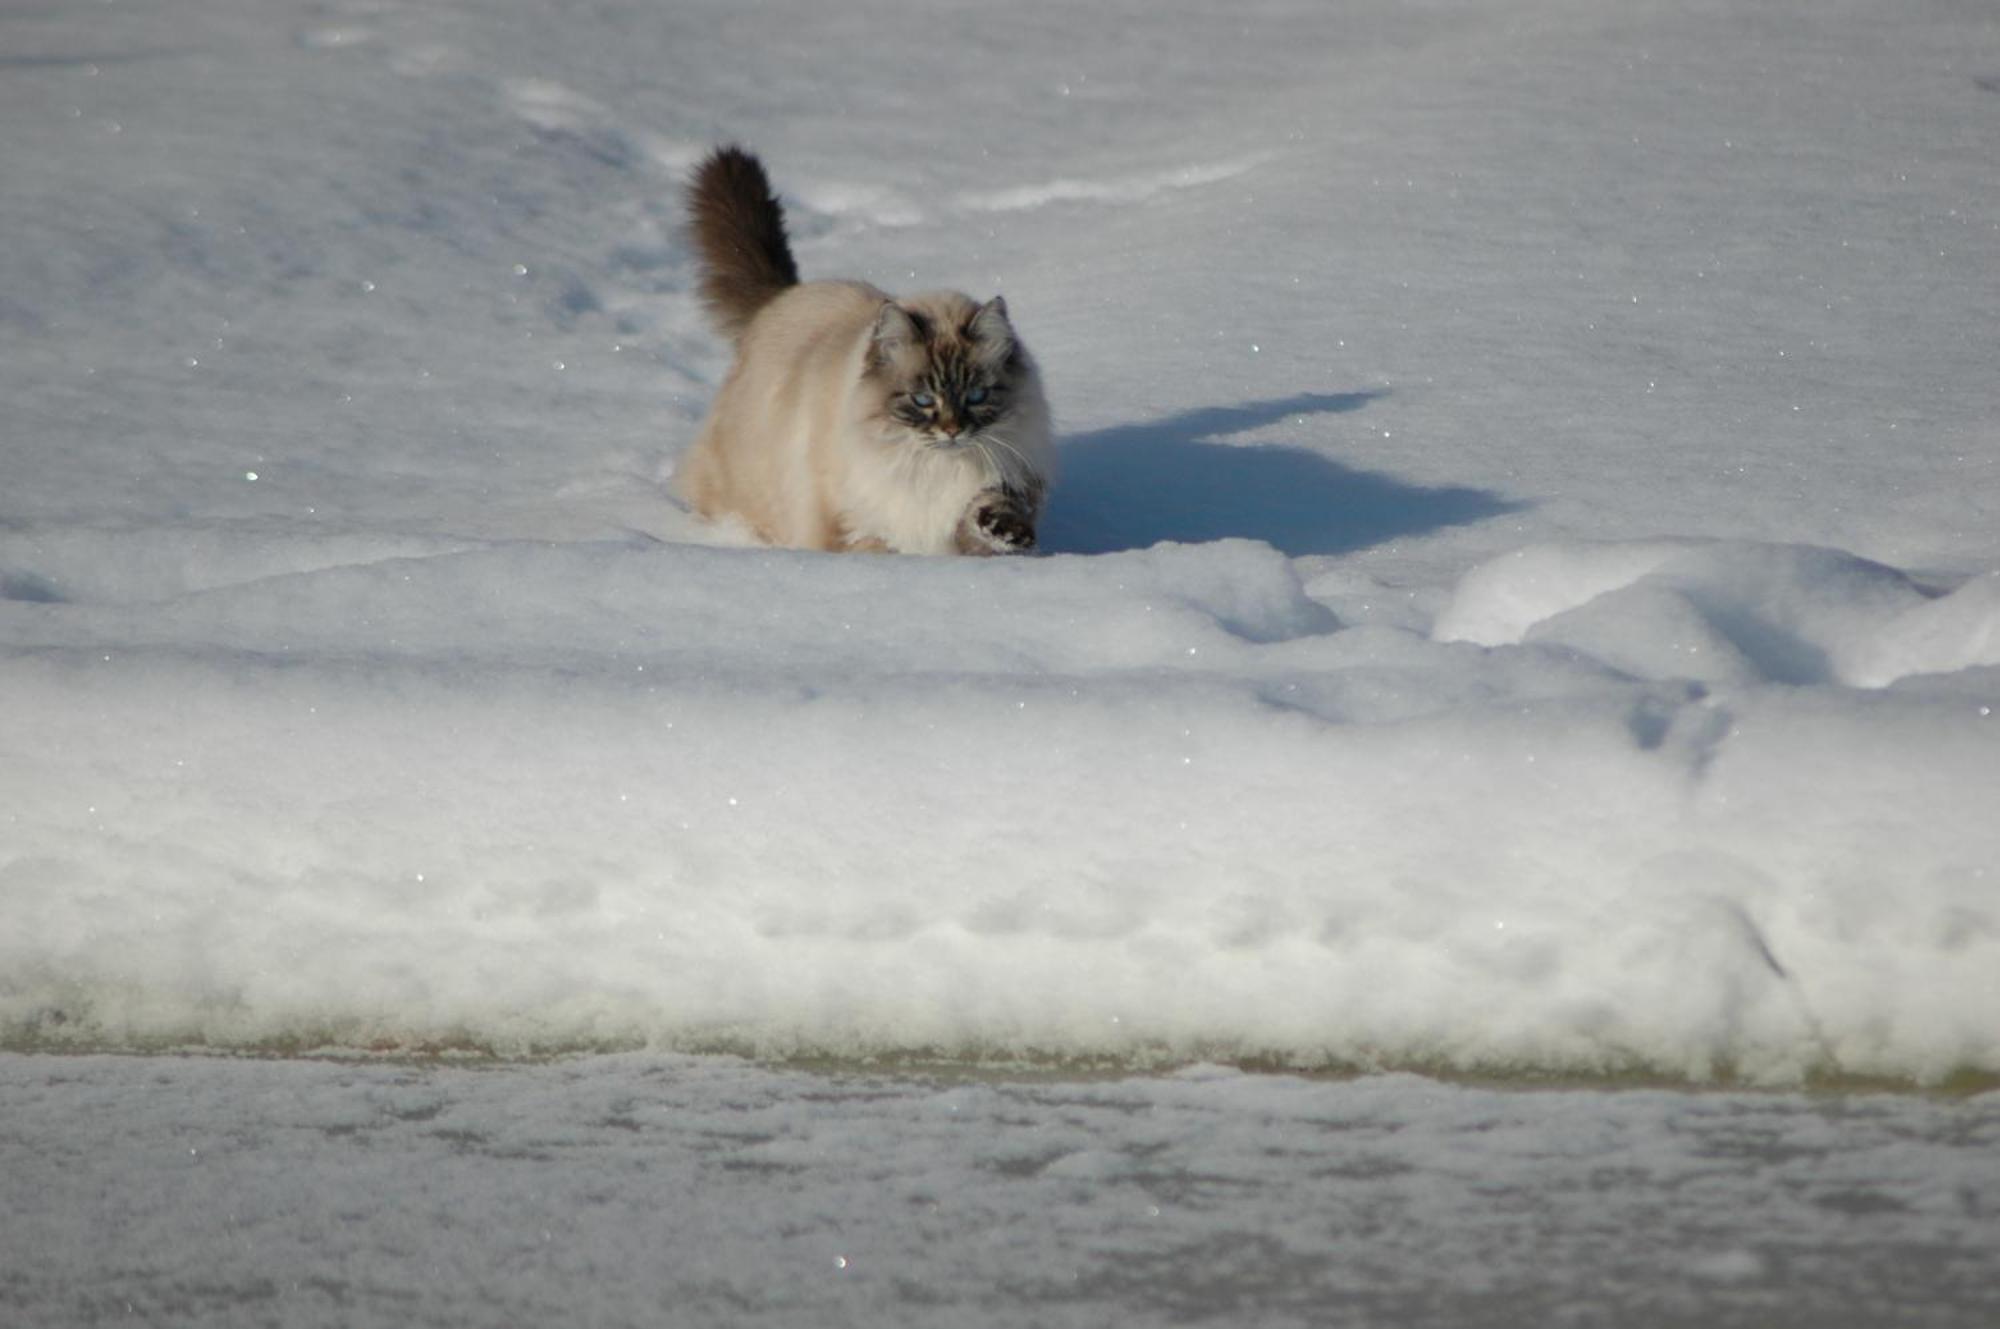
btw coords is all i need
(996, 527)
(1007, 528)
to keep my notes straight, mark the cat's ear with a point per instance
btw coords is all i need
(991, 332)
(894, 326)
(896, 331)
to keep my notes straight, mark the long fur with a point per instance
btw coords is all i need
(852, 420)
(740, 231)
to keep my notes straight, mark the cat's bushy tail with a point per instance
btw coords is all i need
(739, 230)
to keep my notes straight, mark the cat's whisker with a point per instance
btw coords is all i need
(986, 453)
(1019, 455)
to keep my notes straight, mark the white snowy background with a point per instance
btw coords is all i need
(1523, 600)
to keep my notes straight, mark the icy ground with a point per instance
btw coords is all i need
(636, 1190)
(1523, 600)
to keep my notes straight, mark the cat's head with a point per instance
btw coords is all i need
(946, 370)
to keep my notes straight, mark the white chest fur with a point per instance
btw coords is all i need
(912, 497)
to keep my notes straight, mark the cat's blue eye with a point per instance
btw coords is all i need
(975, 396)
(923, 399)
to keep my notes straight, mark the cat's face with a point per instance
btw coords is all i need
(945, 368)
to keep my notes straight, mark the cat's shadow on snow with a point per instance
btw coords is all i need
(1134, 485)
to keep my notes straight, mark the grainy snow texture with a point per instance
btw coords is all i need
(645, 1191)
(1523, 598)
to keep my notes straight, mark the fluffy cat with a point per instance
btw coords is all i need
(853, 420)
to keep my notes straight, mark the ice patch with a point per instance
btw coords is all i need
(426, 60)
(560, 111)
(549, 105)
(875, 204)
(674, 155)
(853, 1191)
(1731, 1266)
(1137, 188)
(341, 37)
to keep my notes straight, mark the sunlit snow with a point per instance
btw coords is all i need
(1522, 600)
(1522, 594)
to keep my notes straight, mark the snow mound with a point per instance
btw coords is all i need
(1727, 612)
(719, 613)
(531, 796)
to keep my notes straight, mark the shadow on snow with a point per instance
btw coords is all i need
(1131, 486)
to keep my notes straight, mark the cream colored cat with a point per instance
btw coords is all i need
(851, 419)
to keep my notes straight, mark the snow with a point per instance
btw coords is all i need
(1522, 600)
(1153, 804)
(1521, 596)
(1730, 613)
(633, 1189)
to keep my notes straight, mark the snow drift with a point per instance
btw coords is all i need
(1149, 804)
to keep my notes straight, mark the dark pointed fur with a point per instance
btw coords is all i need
(739, 230)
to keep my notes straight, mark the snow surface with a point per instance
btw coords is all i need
(1523, 599)
(641, 1190)
(1525, 592)
(1512, 687)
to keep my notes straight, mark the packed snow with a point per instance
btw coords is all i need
(1521, 601)
(647, 1190)
(1524, 594)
